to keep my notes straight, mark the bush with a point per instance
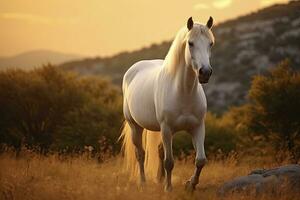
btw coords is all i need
(275, 108)
(219, 138)
(97, 123)
(46, 108)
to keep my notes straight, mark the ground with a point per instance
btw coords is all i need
(39, 177)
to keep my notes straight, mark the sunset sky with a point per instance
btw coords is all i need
(105, 27)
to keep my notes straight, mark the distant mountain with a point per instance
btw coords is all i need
(245, 46)
(36, 58)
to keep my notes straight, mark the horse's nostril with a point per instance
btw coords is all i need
(200, 71)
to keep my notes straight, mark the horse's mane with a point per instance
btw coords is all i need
(175, 55)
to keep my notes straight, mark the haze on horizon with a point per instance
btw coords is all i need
(106, 27)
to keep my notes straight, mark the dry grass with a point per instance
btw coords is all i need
(34, 177)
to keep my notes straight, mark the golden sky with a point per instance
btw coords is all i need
(105, 27)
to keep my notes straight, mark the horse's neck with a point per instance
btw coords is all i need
(185, 79)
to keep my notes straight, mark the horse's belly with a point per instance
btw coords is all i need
(140, 99)
(142, 110)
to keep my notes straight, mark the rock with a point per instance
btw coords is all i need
(263, 181)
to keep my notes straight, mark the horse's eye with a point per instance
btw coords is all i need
(191, 44)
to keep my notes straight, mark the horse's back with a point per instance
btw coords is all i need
(138, 91)
(140, 67)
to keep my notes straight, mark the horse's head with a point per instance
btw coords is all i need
(199, 41)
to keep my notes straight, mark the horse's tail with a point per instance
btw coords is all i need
(151, 141)
(152, 160)
(128, 150)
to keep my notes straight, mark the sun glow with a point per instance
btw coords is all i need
(103, 27)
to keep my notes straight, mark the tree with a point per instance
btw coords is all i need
(275, 108)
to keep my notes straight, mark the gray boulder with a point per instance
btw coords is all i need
(262, 181)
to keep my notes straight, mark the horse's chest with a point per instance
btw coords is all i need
(180, 111)
(186, 121)
(185, 117)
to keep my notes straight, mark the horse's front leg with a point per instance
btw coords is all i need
(198, 136)
(168, 154)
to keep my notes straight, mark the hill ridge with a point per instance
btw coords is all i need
(35, 58)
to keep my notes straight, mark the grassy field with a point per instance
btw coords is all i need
(38, 177)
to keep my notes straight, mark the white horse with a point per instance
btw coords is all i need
(166, 96)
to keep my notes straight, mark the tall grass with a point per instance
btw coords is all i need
(37, 177)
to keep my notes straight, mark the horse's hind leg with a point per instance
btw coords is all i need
(161, 170)
(136, 135)
(168, 154)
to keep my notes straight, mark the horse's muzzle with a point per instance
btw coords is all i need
(204, 75)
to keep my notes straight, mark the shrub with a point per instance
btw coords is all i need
(47, 108)
(275, 108)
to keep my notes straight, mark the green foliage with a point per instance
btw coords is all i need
(97, 123)
(182, 144)
(275, 108)
(219, 137)
(45, 108)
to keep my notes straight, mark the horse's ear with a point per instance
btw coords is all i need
(210, 22)
(190, 23)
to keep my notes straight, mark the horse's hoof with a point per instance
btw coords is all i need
(189, 187)
(142, 185)
(168, 188)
